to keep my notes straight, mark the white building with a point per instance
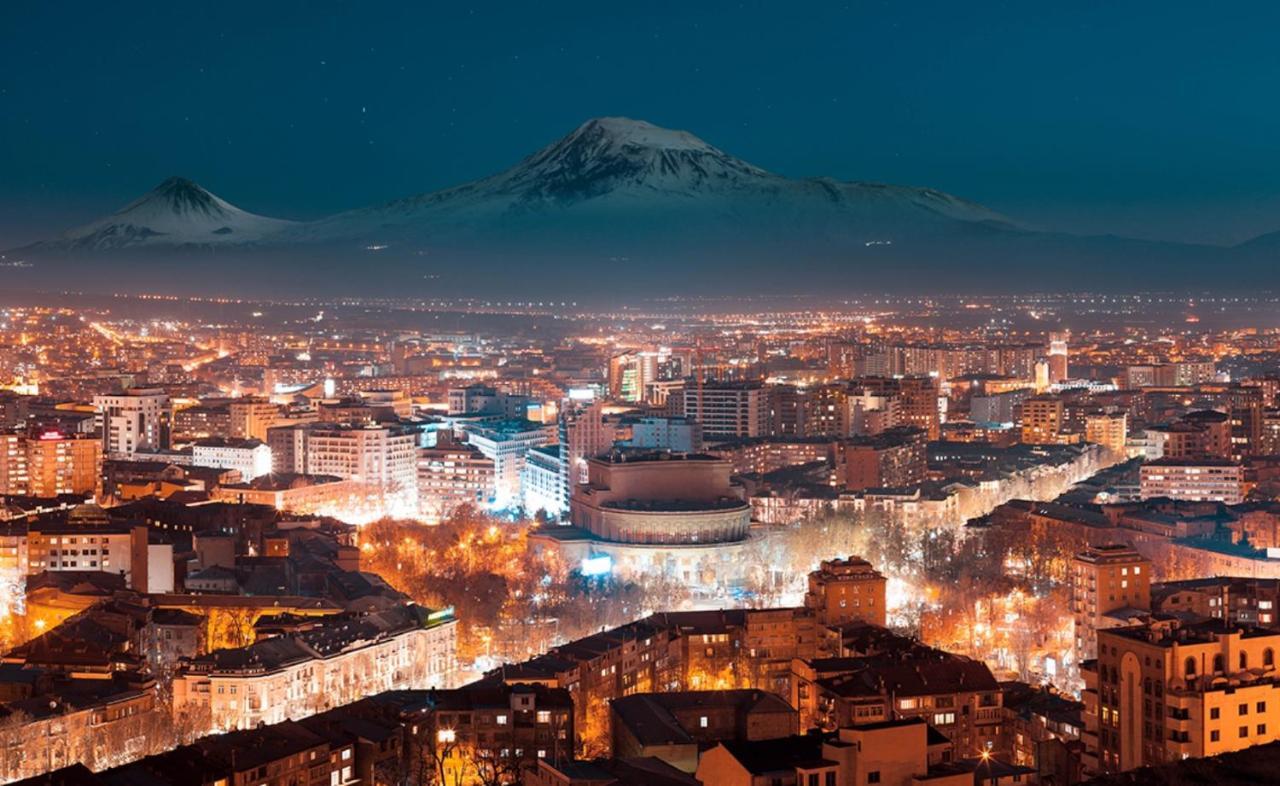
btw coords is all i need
(507, 442)
(138, 417)
(382, 459)
(343, 660)
(543, 482)
(250, 456)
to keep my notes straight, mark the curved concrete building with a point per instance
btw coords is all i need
(657, 498)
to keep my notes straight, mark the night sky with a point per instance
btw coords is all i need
(1151, 119)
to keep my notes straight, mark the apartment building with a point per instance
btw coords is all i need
(343, 659)
(1109, 585)
(1167, 691)
(845, 590)
(453, 474)
(728, 409)
(1194, 479)
(381, 458)
(250, 457)
(506, 443)
(139, 417)
(49, 463)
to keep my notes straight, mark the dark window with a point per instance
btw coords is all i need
(873, 776)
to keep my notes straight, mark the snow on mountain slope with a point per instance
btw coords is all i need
(177, 212)
(615, 186)
(629, 177)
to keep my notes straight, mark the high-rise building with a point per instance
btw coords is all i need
(506, 443)
(1181, 374)
(1042, 420)
(1109, 585)
(1108, 429)
(1057, 357)
(843, 358)
(787, 404)
(844, 590)
(896, 458)
(450, 475)
(91, 544)
(49, 463)
(542, 483)
(1215, 433)
(824, 411)
(1246, 410)
(728, 409)
(919, 400)
(583, 433)
(630, 374)
(139, 417)
(249, 418)
(201, 421)
(868, 414)
(997, 407)
(382, 459)
(1270, 443)
(14, 408)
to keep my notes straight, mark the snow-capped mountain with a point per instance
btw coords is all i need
(177, 212)
(616, 180)
(627, 204)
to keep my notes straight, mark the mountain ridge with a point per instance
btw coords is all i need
(616, 189)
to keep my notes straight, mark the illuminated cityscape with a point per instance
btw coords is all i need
(634, 462)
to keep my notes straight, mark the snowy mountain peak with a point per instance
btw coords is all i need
(176, 212)
(183, 195)
(610, 153)
(623, 131)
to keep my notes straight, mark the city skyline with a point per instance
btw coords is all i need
(712, 394)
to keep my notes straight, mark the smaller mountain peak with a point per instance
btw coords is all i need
(176, 185)
(182, 194)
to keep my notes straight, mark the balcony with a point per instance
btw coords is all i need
(1177, 725)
